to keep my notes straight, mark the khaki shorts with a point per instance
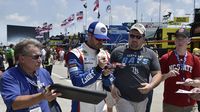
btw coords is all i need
(110, 101)
(124, 105)
(173, 108)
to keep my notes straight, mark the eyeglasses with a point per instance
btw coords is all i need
(135, 36)
(36, 56)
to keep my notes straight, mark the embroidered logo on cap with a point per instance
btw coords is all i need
(103, 30)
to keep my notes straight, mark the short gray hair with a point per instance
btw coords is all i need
(22, 48)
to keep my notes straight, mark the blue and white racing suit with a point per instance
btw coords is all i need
(84, 72)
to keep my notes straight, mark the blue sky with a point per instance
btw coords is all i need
(36, 12)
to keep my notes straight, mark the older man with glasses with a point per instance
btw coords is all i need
(132, 85)
(24, 87)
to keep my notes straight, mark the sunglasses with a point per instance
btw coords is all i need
(135, 36)
(35, 56)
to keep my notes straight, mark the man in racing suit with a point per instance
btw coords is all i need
(86, 66)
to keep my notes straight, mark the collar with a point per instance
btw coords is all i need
(89, 49)
(25, 73)
(135, 50)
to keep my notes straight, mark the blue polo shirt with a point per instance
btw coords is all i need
(14, 83)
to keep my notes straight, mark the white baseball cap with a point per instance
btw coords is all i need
(139, 27)
(99, 30)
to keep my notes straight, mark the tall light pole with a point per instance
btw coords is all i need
(110, 14)
(136, 14)
(193, 15)
(159, 12)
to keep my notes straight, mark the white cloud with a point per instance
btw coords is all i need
(60, 16)
(34, 3)
(122, 13)
(180, 12)
(16, 17)
(62, 3)
(152, 9)
(188, 2)
(90, 19)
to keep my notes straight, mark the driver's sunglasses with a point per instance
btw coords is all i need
(135, 36)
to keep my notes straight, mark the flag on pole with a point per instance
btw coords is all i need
(44, 25)
(98, 15)
(69, 21)
(96, 5)
(38, 29)
(64, 22)
(79, 15)
(71, 18)
(85, 5)
(45, 28)
(50, 27)
(108, 9)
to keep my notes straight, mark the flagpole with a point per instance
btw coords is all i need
(99, 17)
(159, 13)
(86, 16)
(110, 15)
(136, 2)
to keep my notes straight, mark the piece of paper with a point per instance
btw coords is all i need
(180, 82)
(184, 91)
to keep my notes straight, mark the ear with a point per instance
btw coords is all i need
(21, 58)
(89, 34)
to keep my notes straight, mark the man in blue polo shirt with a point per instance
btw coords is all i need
(23, 86)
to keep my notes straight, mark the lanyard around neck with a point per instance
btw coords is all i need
(183, 63)
(36, 83)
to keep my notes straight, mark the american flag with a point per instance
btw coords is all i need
(108, 9)
(38, 29)
(64, 22)
(46, 28)
(50, 26)
(69, 21)
(79, 15)
(71, 18)
(44, 25)
(96, 3)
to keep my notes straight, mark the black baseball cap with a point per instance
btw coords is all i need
(182, 32)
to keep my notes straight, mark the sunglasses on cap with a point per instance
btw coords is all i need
(135, 36)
